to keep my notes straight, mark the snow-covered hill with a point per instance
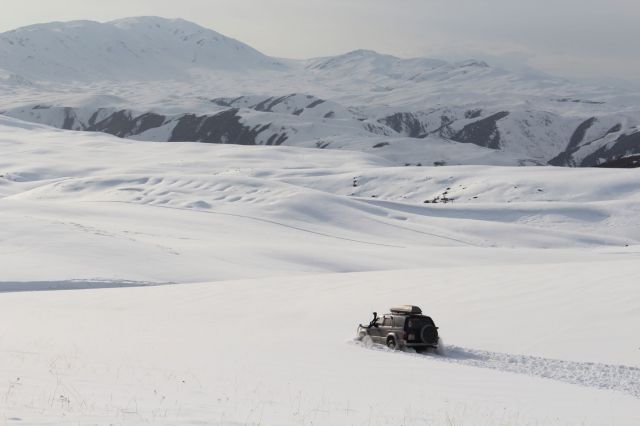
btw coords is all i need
(127, 49)
(276, 253)
(396, 214)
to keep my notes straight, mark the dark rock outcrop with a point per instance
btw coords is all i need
(123, 124)
(483, 132)
(630, 162)
(224, 127)
(565, 158)
(580, 132)
(406, 124)
(295, 103)
(624, 146)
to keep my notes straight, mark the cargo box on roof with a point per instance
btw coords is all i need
(407, 310)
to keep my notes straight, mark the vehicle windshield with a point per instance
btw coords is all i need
(418, 322)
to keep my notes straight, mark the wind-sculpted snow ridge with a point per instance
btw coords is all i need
(620, 378)
(441, 206)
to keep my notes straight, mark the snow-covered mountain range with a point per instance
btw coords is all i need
(157, 79)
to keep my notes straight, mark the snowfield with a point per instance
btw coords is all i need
(184, 283)
(279, 350)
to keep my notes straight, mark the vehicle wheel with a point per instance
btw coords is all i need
(421, 350)
(391, 343)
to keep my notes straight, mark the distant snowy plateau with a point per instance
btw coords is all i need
(219, 279)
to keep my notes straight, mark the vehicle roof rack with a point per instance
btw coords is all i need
(406, 310)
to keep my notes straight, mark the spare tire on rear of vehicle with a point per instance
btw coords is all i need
(429, 335)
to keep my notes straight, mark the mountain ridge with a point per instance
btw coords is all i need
(179, 73)
(183, 29)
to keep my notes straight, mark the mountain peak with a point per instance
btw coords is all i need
(472, 63)
(363, 52)
(157, 22)
(374, 63)
(138, 48)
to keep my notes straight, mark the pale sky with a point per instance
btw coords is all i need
(580, 39)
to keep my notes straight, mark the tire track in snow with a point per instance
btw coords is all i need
(620, 378)
(427, 233)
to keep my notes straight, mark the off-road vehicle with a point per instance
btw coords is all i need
(403, 327)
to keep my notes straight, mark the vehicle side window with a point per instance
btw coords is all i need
(387, 322)
(398, 322)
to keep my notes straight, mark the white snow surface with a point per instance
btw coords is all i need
(185, 283)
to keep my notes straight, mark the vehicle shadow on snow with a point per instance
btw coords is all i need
(27, 286)
(619, 378)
